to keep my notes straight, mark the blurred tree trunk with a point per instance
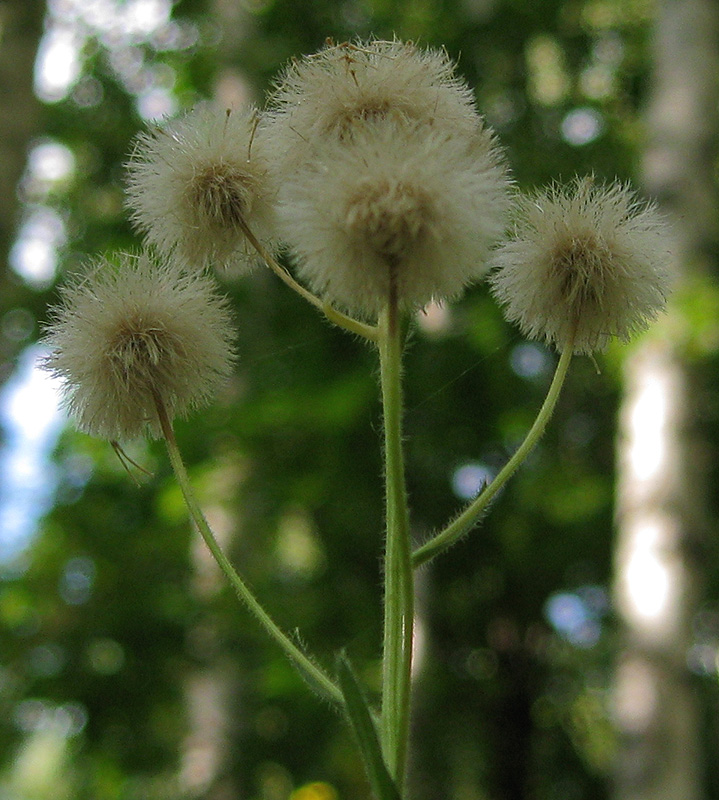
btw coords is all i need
(209, 686)
(662, 496)
(20, 30)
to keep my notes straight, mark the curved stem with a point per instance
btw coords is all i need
(368, 332)
(470, 516)
(316, 677)
(398, 574)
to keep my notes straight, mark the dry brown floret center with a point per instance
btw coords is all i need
(367, 112)
(139, 348)
(390, 217)
(222, 195)
(581, 266)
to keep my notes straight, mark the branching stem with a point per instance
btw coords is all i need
(368, 332)
(315, 677)
(473, 512)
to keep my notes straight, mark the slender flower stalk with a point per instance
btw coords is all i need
(460, 526)
(315, 677)
(350, 324)
(398, 575)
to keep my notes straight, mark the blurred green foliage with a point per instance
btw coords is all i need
(114, 612)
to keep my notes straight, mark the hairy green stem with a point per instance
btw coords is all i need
(368, 332)
(472, 513)
(398, 574)
(315, 677)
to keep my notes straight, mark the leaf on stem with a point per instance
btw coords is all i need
(360, 719)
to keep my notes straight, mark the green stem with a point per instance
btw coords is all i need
(470, 516)
(368, 332)
(398, 574)
(316, 678)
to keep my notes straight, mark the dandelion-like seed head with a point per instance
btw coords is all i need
(396, 208)
(131, 333)
(195, 185)
(588, 263)
(344, 88)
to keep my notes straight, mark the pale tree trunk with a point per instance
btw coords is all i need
(661, 493)
(20, 30)
(210, 686)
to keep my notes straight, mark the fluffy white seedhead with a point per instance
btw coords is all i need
(344, 88)
(590, 257)
(398, 208)
(132, 331)
(195, 183)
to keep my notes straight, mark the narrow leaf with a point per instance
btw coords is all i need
(360, 719)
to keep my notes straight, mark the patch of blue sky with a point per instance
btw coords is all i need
(31, 419)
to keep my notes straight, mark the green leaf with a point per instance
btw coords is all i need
(360, 719)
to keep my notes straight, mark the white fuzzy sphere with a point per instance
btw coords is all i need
(194, 183)
(130, 331)
(343, 88)
(397, 205)
(588, 262)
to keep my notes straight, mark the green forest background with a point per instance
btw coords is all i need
(127, 670)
